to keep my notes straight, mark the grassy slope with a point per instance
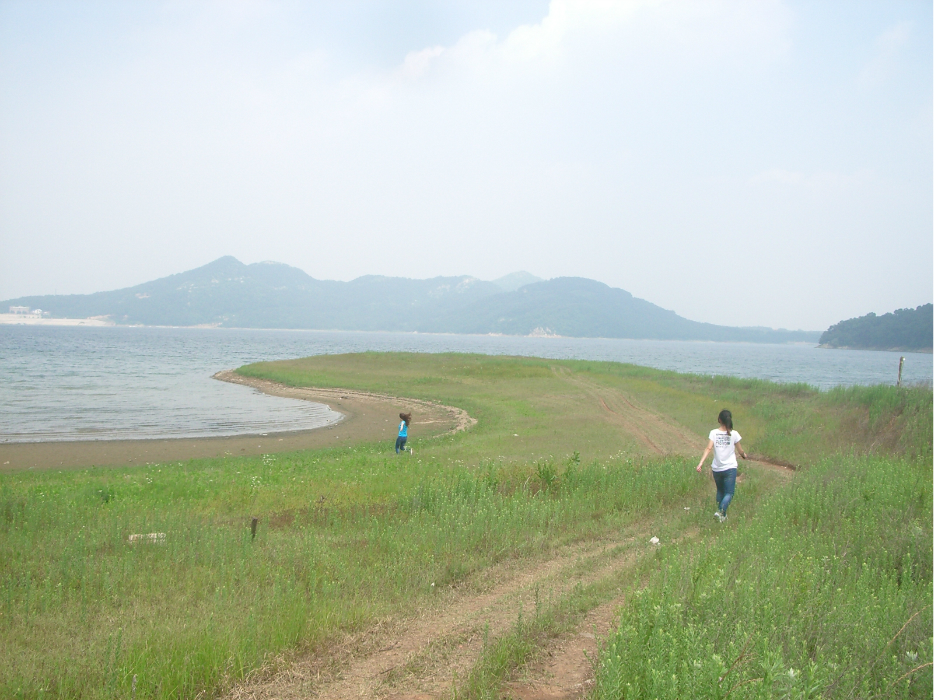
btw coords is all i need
(348, 535)
(826, 592)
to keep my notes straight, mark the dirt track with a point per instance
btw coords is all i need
(424, 657)
(660, 435)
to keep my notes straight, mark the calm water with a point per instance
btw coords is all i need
(106, 383)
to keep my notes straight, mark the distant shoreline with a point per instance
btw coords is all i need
(101, 322)
(32, 320)
(923, 351)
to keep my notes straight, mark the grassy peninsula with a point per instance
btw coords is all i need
(819, 584)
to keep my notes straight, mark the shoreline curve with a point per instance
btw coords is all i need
(344, 401)
(367, 417)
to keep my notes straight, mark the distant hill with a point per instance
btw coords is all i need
(578, 307)
(272, 295)
(513, 281)
(909, 330)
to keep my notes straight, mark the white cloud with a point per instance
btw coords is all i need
(417, 63)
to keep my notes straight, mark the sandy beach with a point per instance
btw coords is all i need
(367, 418)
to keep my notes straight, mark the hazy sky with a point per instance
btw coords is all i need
(744, 163)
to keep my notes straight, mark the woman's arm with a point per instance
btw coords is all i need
(739, 448)
(700, 464)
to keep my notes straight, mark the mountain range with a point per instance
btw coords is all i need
(228, 293)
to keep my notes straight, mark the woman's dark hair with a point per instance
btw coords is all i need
(407, 417)
(726, 420)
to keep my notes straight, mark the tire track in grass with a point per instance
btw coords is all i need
(667, 436)
(564, 669)
(423, 656)
(435, 672)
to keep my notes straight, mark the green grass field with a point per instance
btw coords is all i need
(799, 596)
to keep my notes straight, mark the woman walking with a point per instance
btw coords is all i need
(403, 432)
(724, 441)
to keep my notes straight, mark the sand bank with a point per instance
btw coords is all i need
(367, 417)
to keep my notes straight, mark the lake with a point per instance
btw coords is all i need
(66, 383)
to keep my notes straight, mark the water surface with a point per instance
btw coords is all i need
(61, 383)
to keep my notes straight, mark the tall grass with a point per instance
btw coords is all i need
(83, 612)
(824, 592)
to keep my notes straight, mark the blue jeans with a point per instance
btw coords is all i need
(726, 485)
(400, 445)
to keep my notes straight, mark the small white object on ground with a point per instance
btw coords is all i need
(687, 507)
(654, 540)
(157, 537)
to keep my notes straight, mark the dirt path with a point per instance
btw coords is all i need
(425, 656)
(564, 670)
(659, 434)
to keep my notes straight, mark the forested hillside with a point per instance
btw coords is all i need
(910, 330)
(229, 294)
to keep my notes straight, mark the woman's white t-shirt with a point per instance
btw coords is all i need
(724, 452)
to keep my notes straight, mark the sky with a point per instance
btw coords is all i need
(742, 163)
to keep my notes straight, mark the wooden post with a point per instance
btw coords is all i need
(253, 528)
(901, 361)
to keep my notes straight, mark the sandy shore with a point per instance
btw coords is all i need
(368, 417)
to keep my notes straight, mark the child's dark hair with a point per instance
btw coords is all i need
(407, 417)
(726, 420)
